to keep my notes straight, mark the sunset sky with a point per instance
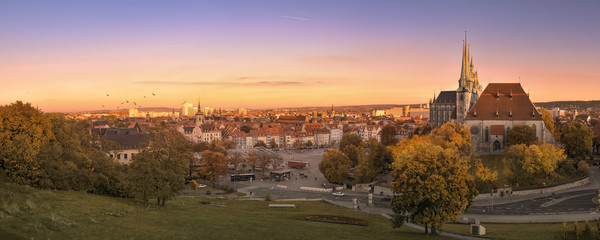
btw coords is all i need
(68, 55)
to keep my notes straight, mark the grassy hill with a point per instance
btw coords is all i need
(29, 213)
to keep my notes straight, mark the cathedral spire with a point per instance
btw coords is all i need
(465, 62)
(199, 108)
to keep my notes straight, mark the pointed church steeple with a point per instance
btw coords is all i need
(466, 65)
(199, 108)
(199, 115)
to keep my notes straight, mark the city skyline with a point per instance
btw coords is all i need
(74, 56)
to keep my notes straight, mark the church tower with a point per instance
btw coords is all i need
(199, 115)
(468, 85)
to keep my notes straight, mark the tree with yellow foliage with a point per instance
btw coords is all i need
(452, 135)
(431, 183)
(531, 164)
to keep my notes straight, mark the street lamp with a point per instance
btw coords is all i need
(545, 196)
(492, 200)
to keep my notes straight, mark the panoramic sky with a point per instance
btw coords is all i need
(68, 55)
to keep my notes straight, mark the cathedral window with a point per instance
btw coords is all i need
(487, 134)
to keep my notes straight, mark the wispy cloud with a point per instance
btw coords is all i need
(180, 45)
(259, 83)
(294, 18)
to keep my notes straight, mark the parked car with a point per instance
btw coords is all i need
(386, 199)
(338, 194)
(201, 185)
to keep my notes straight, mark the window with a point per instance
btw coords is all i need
(112, 156)
(132, 155)
(125, 156)
(487, 134)
(118, 156)
(497, 145)
(534, 129)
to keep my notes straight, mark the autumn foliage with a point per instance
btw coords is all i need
(432, 183)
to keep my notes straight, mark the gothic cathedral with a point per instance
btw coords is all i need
(454, 105)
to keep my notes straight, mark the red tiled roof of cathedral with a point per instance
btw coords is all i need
(503, 101)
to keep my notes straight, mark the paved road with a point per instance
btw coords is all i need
(576, 201)
(579, 203)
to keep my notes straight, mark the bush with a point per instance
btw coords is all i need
(268, 197)
(194, 185)
(566, 167)
(583, 168)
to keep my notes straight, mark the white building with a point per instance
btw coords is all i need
(187, 109)
(201, 131)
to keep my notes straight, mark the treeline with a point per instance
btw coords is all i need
(363, 160)
(50, 152)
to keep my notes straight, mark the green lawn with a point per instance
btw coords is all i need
(28, 213)
(533, 231)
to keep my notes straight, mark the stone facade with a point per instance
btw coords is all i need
(500, 107)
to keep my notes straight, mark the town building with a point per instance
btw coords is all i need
(202, 131)
(122, 143)
(187, 109)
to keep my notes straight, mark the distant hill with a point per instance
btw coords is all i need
(595, 104)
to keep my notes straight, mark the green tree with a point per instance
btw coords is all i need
(260, 143)
(309, 143)
(355, 153)
(369, 167)
(350, 139)
(159, 170)
(431, 184)
(577, 139)
(388, 134)
(521, 134)
(548, 120)
(212, 166)
(73, 160)
(23, 132)
(335, 166)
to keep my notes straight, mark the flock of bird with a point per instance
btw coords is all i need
(127, 102)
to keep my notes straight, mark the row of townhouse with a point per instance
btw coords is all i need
(365, 131)
(282, 134)
(285, 136)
